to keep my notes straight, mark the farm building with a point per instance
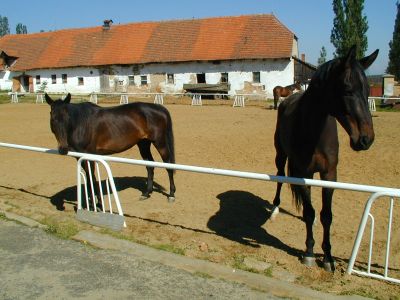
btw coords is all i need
(240, 54)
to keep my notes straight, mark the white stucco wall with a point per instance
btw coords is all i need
(240, 75)
(90, 80)
(5, 81)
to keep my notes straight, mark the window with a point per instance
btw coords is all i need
(170, 78)
(80, 80)
(224, 77)
(143, 80)
(37, 79)
(131, 80)
(53, 79)
(64, 78)
(256, 77)
(201, 78)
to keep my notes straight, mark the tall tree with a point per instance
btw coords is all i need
(349, 27)
(21, 29)
(338, 33)
(394, 51)
(4, 28)
(322, 56)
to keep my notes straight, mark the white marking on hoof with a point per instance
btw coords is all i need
(329, 266)
(308, 261)
(275, 212)
(171, 199)
(143, 197)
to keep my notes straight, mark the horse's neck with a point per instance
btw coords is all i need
(313, 113)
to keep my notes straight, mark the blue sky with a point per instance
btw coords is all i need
(310, 20)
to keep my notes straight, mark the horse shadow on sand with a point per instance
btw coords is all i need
(241, 217)
(69, 194)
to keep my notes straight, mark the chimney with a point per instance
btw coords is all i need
(107, 24)
(303, 57)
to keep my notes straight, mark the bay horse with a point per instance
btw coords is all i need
(88, 128)
(306, 136)
(284, 91)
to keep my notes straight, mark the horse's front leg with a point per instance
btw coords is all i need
(308, 217)
(326, 220)
(93, 188)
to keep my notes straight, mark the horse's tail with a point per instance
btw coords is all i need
(170, 139)
(296, 189)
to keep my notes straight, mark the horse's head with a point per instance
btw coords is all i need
(297, 86)
(59, 121)
(348, 91)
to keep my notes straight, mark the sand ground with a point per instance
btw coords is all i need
(221, 219)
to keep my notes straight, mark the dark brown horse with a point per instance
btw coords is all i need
(88, 128)
(306, 136)
(284, 91)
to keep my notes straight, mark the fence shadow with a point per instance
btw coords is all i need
(68, 195)
(240, 218)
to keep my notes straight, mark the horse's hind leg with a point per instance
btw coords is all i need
(280, 162)
(144, 148)
(276, 99)
(166, 157)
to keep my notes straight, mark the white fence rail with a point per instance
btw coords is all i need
(111, 221)
(376, 191)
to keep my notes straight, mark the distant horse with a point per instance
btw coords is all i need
(284, 91)
(306, 135)
(88, 128)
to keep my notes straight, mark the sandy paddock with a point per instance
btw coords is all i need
(221, 219)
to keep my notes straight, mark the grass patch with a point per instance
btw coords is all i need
(203, 275)
(169, 248)
(63, 230)
(238, 263)
(3, 216)
(361, 292)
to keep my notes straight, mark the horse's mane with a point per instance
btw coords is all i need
(80, 113)
(322, 74)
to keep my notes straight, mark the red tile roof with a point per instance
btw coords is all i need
(221, 38)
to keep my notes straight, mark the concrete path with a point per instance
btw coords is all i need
(37, 265)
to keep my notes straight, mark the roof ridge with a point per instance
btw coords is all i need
(145, 22)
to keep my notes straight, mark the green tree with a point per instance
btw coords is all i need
(4, 28)
(349, 27)
(322, 56)
(394, 50)
(338, 33)
(21, 29)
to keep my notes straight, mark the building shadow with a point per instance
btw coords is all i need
(240, 219)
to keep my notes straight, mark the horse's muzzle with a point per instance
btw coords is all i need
(363, 143)
(63, 150)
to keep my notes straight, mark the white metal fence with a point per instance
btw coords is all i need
(376, 192)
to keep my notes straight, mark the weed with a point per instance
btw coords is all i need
(64, 230)
(169, 248)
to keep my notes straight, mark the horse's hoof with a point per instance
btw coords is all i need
(274, 213)
(329, 266)
(171, 199)
(144, 197)
(309, 261)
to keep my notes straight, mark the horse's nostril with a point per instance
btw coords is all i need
(365, 142)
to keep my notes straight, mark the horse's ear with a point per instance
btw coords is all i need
(351, 56)
(48, 99)
(368, 60)
(67, 99)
